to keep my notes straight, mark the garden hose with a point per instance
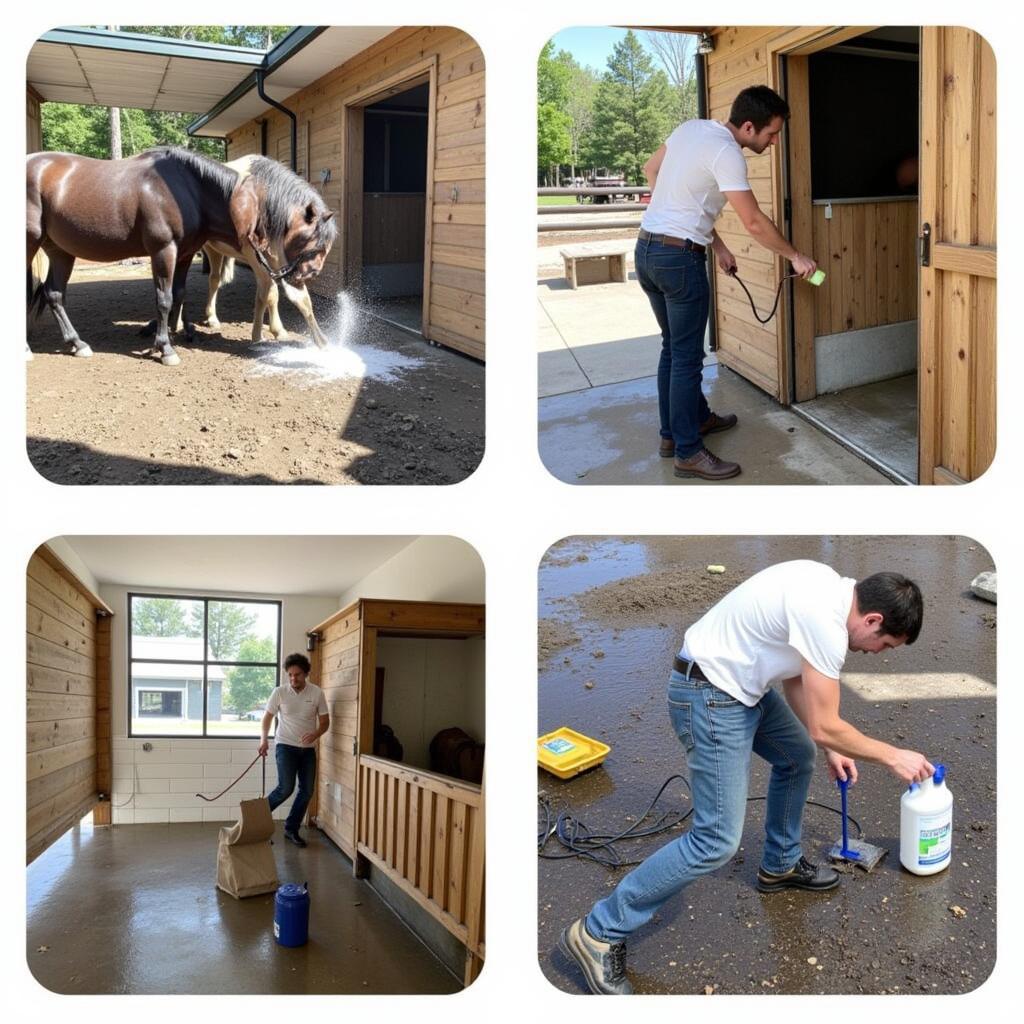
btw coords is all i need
(816, 278)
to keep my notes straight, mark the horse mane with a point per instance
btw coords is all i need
(202, 166)
(283, 191)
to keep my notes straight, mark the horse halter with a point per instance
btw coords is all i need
(289, 267)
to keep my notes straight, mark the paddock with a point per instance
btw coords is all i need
(129, 718)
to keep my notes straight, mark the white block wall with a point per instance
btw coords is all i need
(165, 780)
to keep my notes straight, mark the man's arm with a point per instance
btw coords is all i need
(268, 718)
(839, 766)
(653, 165)
(820, 703)
(325, 724)
(760, 227)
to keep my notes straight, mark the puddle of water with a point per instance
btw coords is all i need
(345, 358)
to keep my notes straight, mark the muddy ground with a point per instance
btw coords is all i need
(613, 612)
(225, 415)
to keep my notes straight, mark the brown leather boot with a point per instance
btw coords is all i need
(706, 466)
(667, 448)
(714, 423)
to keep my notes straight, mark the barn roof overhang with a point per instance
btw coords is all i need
(110, 68)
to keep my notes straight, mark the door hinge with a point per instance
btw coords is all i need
(355, 751)
(924, 245)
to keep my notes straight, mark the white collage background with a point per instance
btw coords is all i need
(511, 510)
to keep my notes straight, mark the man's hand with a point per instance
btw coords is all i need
(262, 748)
(310, 737)
(910, 766)
(803, 265)
(841, 767)
(726, 260)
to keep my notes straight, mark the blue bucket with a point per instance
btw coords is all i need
(291, 914)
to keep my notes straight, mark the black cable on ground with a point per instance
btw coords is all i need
(775, 305)
(577, 840)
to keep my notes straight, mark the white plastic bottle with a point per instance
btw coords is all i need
(926, 825)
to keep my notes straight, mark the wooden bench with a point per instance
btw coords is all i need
(595, 263)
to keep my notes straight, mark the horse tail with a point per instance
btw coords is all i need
(36, 274)
(227, 271)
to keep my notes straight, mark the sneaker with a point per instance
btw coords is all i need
(294, 837)
(707, 466)
(603, 963)
(803, 875)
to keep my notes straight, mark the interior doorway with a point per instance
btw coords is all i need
(853, 193)
(388, 191)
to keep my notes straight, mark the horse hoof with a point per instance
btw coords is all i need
(215, 324)
(171, 360)
(82, 353)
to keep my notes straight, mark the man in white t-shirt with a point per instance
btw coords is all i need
(692, 174)
(301, 710)
(791, 624)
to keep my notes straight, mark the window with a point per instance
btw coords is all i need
(200, 666)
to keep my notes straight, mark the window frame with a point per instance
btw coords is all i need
(205, 663)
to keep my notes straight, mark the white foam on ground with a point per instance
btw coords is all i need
(344, 358)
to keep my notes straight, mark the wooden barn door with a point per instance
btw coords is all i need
(957, 369)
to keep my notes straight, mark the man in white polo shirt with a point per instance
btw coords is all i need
(301, 709)
(791, 624)
(695, 171)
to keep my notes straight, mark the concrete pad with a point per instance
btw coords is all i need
(880, 419)
(609, 435)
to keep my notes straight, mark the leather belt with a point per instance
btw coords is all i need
(679, 243)
(682, 666)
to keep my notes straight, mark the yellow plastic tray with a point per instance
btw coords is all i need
(566, 753)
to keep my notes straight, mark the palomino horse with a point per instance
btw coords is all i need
(166, 204)
(222, 269)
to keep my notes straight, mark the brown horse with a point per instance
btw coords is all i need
(165, 204)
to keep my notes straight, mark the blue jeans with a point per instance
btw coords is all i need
(292, 761)
(718, 734)
(676, 283)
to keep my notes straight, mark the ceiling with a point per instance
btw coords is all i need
(116, 69)
(322, 566)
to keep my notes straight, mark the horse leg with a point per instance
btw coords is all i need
(300, 297)
(276, 327)
(264, 284)
(164, 273)
(216, 261)
(54, 288)
(178, 319)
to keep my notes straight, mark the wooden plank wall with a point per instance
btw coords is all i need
(34, 122)
(456, 316)
(61, 742)
(751, 349)
(393, 227)
(957, 378)
(869, 251)
(336, 770)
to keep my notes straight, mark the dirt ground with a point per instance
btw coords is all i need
(613, 612)
(230, 414)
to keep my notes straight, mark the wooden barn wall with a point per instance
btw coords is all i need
(61, 682)
(34, 122)
(957, 379)
(869, 251)
(739, 60)
(339, 648)
(456, 316)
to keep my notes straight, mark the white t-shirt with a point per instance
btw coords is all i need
(298, 713)
(761, 632)
(702, 160)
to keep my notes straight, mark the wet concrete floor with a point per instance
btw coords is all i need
(134, 909)
(613, 612)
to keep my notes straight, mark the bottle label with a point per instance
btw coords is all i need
(934, 839)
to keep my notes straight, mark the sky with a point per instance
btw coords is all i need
(590, 46)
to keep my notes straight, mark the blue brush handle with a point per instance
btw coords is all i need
(843, 784)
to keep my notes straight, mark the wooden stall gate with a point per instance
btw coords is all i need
(68, 761)
(440, 827)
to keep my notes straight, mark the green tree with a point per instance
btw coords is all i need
(228, 624)
(632, 110)
(579, 106)
(162, 616)
(676, 51)
(553, 123)
(247, 687)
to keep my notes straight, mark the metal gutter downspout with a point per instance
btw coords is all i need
(260, 75)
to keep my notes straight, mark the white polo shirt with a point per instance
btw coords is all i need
(702, 161)
(761, 632)
(298, 713)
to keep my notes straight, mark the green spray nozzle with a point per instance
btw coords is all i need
(816, 278)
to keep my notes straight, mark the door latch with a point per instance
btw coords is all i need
(924, 245)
